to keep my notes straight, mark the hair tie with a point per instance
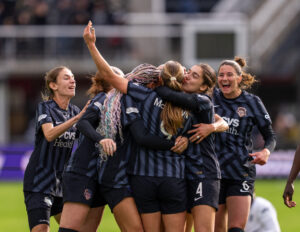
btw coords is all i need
(173, 78)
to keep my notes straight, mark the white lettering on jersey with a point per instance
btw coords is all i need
(68, 135)
(232, 121)
(159, 103)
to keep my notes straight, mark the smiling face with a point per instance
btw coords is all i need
(228, 81)
(65, 84)
(193, 82)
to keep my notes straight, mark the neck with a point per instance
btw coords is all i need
(235, 94)
(62, 102)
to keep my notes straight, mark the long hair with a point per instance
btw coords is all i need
(172, 116)
(110, 123)
(209, 77)
(51, 76)
(99, 84)
(239, 64)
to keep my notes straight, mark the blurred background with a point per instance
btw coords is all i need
(37, 35)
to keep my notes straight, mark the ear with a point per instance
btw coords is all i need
(53, 86)
(203, 88)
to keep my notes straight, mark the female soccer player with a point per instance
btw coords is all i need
(83, 205)
(54, 138)
(157, 177)
(202, 167)
(242, 111)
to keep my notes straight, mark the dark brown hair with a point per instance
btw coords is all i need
(238, 64)
(209, 77)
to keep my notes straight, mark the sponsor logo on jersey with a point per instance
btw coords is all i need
(241, 111)
(87, 194)
(60, 141)
(159, 103)
(233, 123)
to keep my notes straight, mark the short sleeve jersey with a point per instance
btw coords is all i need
(48, 159)
(234, 145)
(148, 162)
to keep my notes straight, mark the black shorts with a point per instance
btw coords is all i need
(203, 192)
(159, 194)
(114, 196)
(82, 189)
(235, 188)
(40, 207)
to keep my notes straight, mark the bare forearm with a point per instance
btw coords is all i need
(295, 167)
(51, 133)
(219, 125)
(103, 67)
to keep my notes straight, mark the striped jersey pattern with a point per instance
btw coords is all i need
(154, 163)
(84, 159)
(201, 160)
(234, 145)
(112, 169)
(44, 170)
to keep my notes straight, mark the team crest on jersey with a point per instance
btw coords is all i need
(87, 194)
(241, 111)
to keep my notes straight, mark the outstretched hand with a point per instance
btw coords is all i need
(89, 34)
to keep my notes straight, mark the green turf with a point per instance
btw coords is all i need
(13, 215)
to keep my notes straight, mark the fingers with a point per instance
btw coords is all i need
(109, 146)
(289, 203)
(192, 131)
(196, 138)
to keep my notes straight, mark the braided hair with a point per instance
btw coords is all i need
(110, 124)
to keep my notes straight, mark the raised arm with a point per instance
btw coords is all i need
(117, 81)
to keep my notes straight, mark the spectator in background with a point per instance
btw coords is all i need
(289, 187)
(262, 217)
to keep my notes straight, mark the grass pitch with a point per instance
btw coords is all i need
(13, 216)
